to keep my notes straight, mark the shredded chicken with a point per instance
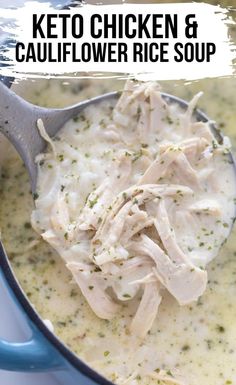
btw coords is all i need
(93, 290)
(181, 278)
(101, 198)
(149, 304)
(135, 233)
(45, 135)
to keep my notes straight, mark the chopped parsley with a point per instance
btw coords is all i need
(92, 202)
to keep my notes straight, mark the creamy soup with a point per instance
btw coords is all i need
(194, 343)
(130, 194)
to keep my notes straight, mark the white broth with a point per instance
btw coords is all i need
(194, 343)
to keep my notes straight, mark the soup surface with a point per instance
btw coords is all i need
(129, 193)
(195, 343)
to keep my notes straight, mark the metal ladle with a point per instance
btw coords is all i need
(18, 122)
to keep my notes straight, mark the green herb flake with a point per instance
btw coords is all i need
(87, 125)
(61, 323)
(209, 344)
(220, 328)
(92, 202)
(169, 120)
(73, 293)
(126, 296)
(102, 123)
(137, 155)
(185, 348)
(169, 373)
(35, 196)
(138, 113)
(214, 144)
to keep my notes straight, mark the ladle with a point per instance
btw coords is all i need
(18, 122)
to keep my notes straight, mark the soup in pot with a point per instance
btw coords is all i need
(181, 336)
(188, 337)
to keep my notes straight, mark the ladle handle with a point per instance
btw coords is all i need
(18, 123)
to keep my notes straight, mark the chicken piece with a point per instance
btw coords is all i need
(202, 129)
(135, 223)
(141, 109)
(190, 146)
(177, 156)
(45, 136)
(130, 275)
(108, 243)
(93, 289)
(170, 244)
(167, 235)
(94, 207)
(186, 173)
(51, 237)
(134, 91)
(101, 198)
(147, 310)
(160, 165)
(186, 118)
(158, 108)
(182, 279)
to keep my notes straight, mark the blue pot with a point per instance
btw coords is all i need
(43, 351)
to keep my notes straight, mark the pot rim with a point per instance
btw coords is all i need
(34, 316)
